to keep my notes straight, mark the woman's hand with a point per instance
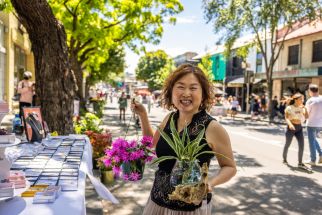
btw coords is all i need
(209, 188)
(138, 108)
(291, 127)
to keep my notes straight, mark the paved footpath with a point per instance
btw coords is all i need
(132, 195)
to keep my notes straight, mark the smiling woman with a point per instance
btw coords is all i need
(188, 92)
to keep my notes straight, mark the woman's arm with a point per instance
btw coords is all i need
(147, 130)
(219, 141)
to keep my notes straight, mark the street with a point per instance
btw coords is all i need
(263, 184)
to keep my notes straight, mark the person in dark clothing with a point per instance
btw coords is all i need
(274, 110)
(188, 91)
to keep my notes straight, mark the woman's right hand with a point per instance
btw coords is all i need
(138, 108)
(291, 127)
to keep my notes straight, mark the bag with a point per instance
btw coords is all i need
(38, 132)
(16, 97)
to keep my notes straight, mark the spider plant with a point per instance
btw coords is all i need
(185, 149)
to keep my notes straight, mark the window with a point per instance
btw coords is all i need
(259, 62)
(293, 55)
(317, 51)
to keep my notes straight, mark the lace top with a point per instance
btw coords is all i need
(162, 187)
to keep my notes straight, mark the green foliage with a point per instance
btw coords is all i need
(153, 68)
(95, 27)
(206, 66)
(113, 67)
(185, 149)
(90, 122)
(5, 5)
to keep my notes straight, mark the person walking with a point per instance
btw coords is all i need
(234, 107)
(295, 114)
(25, 89)
(188, 92)
(122, 105)
(314, 122)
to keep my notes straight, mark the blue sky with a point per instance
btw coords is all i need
(191, 33)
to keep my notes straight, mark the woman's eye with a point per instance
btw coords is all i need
(180, 87)
(193, 88)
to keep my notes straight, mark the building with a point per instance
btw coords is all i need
(184, 58)
(300, 60)
(15, 56)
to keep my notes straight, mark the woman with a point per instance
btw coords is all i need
(188, 91)
(295, 114)
(234, 106)
(122, 105)
(25, 89)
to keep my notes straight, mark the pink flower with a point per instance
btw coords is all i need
(126, 177)
(149, 159)
(135, 176)
(147, 140)
(116, 170)
(107, 162)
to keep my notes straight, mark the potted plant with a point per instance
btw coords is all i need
(99, 142)
(186, 175)
(127, 158)
(106, 173)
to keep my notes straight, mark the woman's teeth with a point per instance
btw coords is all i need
(186, 102)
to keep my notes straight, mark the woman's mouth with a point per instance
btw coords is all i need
(186, 102)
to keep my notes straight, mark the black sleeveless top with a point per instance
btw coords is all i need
(161, 186)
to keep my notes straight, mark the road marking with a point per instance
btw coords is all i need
(271, 142)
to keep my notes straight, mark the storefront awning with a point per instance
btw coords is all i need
(239, 82)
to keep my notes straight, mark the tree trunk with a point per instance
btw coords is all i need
(270, 95)
(54, 80)
(77, 68)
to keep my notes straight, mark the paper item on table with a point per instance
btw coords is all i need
(102, 191)
(6, 189)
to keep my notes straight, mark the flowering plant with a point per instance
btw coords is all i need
(99, 142)
(129, 157)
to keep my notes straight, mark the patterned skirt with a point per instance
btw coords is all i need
(152, 208)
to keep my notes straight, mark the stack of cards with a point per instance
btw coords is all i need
(32, 190)
(49, 195)
(18, 179)
(6, 189)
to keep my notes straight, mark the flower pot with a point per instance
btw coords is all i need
(136, 166)
(185, 172)
(107, 177)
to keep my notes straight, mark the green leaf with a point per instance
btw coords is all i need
(163, 158)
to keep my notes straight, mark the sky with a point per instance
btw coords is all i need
(190, 33)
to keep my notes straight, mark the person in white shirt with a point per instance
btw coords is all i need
(314, 122)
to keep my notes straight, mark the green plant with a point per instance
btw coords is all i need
(185, 149)
(89, 122)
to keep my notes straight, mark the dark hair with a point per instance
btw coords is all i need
(185, 69)
(294, 97)
(313, 88)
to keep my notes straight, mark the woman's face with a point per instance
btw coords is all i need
(299, 100)
(187, 94)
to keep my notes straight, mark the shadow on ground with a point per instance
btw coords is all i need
(270, 194)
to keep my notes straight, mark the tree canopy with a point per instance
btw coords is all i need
(153, 68)
(94, 27)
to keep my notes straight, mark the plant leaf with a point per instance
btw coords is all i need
(163, 158)
(168, 140)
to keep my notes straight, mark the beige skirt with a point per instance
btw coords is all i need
(152, 208)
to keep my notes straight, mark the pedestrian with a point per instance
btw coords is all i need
(234, 107)
(295, 114)
(263, 105)
(314, 122)
(188, 92)
(25, 89)
(274, 108)
(255, 110)
(122, 105)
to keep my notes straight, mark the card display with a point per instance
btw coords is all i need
(56, 164)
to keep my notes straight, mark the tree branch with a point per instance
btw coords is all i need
(116, 23)
(67, 8)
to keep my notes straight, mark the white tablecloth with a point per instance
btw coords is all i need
(69, 203)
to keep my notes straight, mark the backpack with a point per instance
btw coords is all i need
(38, 132)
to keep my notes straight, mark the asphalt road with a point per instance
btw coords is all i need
(263, 185)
